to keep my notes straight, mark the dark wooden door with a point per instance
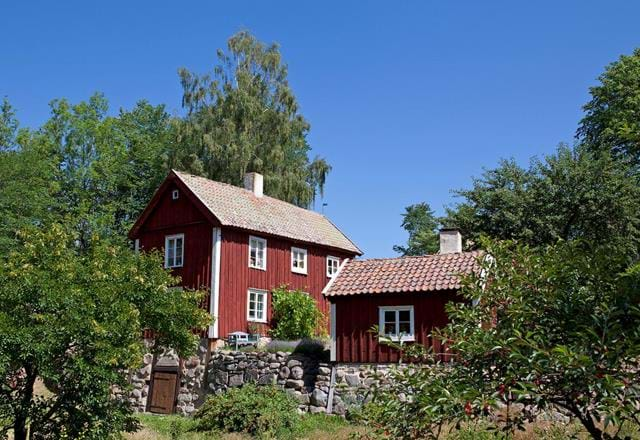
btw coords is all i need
(163, 392)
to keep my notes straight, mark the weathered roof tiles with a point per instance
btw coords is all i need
(237, 207)
(405, 274)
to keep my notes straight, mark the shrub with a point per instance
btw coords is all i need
(295, 314)
(263, 411)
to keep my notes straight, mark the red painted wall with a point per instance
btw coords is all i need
(182, 216)
(356, 314)
(236, 277)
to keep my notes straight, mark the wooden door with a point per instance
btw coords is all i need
(163, 392)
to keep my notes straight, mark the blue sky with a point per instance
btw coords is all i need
(407, 100)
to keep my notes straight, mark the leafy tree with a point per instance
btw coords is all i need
(27, 182)
(422, 226)
(561, 332)
(611, 122)
(75, 319)
(8, 125)
(569, 195)
(86, 167)
(245, 117)
(295, 314)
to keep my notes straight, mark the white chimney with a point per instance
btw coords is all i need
(450, 241)
(254, 182)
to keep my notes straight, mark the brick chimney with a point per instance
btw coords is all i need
(254, 182)
(450, 241)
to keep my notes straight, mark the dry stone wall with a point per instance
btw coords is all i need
(305, 378)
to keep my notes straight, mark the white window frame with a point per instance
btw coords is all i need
(305, 260)
(167, 240)
(331, 258)
(397, 337)
(175, 194)
(264, 257)
(265, 298)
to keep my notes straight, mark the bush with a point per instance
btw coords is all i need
(295, 314)
(263, 411)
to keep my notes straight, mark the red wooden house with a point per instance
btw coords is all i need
(405, 297)
(238, 244)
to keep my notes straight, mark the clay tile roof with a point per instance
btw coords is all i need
(405, 274)
(240, 208)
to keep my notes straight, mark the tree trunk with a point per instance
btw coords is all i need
(20, 429)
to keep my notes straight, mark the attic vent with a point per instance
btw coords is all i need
(175, 194)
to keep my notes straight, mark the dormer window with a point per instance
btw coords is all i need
(173, 250)
(333, 263)
(257, 253)
(299, 260)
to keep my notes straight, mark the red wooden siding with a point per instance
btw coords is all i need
(182, 217)
(236, 277)
(355, 315)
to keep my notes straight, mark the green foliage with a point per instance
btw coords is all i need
(569, 195)
(245, 117)
(295, 314)
(611, 122)
(422, 225)
(261, 411)
(74, 318)
(561, 330)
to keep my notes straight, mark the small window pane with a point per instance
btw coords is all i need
(390, 316)
(405, 315)
(405, 327)
(389, 328)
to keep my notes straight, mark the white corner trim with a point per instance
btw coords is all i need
(214, 296)
(136, 245)
(332, 320)
(330, 283)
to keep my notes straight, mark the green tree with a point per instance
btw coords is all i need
(27, 183)
(561, 331)
(74, 319)
(295, 314)
(611, 122)
(572, 194)
(245, 117)
(422, 225)
(102, 170)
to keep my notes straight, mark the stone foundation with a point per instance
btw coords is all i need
(305, 378)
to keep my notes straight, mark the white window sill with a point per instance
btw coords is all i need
(261, 321)
(173, 267)
(400, 339)
(299, 271)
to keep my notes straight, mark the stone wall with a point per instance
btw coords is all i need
(303, 377)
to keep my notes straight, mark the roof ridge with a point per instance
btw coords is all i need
(409, 257)
(279, 217)
(236, 187)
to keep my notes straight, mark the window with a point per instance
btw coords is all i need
(298, 260)
(397, 323)
(257, 305)
(173, 250)
(258, 253)
(333, 263)
(175, 194)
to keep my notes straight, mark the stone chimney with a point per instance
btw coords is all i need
(450, 241)
(254, 182)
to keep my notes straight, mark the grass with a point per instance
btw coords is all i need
(312, 426)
